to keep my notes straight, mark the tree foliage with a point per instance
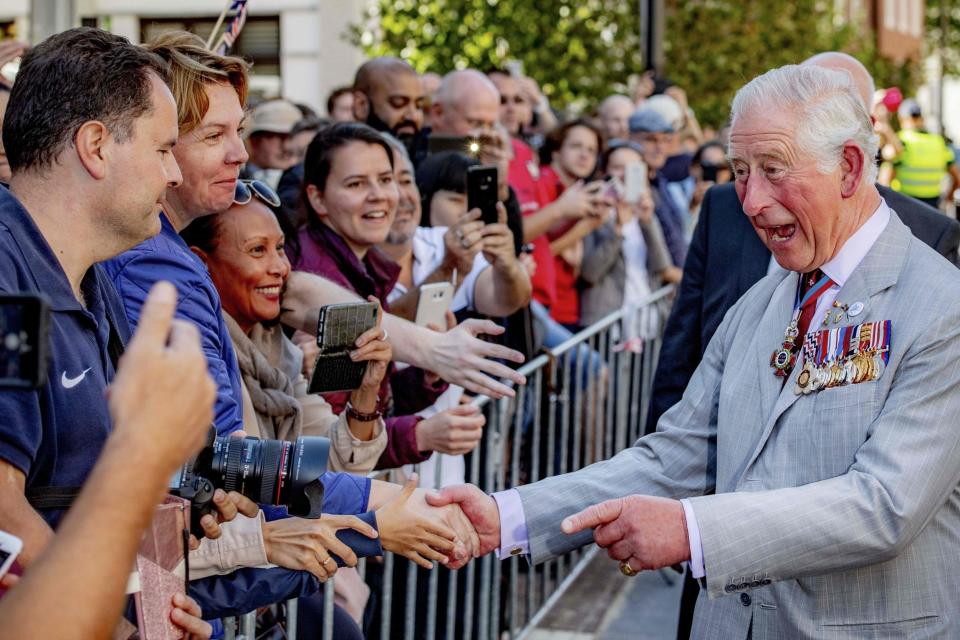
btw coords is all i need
(714, 46)
(582, 50)
(576, 49)
(934, 33)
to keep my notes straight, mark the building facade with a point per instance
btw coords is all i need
(300, 46)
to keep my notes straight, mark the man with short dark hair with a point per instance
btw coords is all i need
(88, 133)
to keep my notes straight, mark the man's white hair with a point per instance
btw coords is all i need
(828, 107)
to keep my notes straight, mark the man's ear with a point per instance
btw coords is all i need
(94, 142)
(315, 198)
(200, 253)
(853, 168)
(361, 106)
(436, 111)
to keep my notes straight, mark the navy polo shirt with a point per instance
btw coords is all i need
(55, 434)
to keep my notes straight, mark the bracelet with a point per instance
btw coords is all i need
(362, 417)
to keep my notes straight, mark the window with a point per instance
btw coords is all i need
(259, 41)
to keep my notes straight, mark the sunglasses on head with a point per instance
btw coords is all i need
(246, 189)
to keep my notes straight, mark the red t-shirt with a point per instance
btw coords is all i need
(522, 177)
(566, 304)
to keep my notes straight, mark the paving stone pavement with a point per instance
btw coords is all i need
(605, 605)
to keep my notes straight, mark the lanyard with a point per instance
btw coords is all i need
(821, 285)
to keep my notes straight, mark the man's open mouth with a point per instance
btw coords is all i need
(782, 233)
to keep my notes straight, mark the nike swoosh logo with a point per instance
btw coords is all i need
(70, 383)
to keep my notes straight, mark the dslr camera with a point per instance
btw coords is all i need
(273, 472)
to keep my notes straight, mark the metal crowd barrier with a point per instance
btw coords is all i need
(585, 400)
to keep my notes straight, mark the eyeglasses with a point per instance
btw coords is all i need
(246, 189)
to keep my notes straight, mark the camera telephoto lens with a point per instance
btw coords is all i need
(273, 471)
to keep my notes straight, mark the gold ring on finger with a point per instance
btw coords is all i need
(627, 570)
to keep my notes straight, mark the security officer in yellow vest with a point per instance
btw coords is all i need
(923, 160)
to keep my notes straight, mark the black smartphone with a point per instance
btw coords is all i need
(482, 192)
(24, 336)
(337, 331)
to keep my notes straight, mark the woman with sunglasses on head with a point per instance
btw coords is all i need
(243, 248)
(351, 199)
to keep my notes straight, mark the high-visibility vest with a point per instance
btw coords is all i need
(921, 167)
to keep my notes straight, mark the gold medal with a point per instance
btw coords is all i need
(803, 379)
(835, 372)
(858, 368)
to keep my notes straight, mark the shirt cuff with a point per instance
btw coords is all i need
(697, 568)
(513, 524)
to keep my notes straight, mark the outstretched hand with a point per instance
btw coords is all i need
(644, 531)
(480, 509)
(414, 532)
(460, 357)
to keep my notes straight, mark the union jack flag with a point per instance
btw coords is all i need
(238, 8)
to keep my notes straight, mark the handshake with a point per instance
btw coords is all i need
(641, 532)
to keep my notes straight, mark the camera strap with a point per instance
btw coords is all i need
(44, 498)
(41, 498)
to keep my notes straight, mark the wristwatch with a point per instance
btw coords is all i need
(362, 417)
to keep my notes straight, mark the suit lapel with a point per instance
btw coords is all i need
(769, 336)
(879, 270)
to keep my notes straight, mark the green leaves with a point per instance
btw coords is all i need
(714, 46)
(581, 51)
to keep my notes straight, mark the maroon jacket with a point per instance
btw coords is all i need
(324, 253)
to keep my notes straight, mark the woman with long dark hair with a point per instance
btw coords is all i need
(351, 199)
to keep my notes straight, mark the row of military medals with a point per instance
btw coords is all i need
(841, 356)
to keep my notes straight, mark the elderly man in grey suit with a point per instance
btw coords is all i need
(810, 472)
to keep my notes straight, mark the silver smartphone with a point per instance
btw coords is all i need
(434, 302)
(635, 182)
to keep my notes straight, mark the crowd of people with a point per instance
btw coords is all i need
(187, 236)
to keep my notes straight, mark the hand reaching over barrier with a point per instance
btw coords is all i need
(307, 545)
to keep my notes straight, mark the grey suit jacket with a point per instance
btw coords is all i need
(838, 511)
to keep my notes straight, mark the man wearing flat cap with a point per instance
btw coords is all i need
(650, 129)
(269, 129)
